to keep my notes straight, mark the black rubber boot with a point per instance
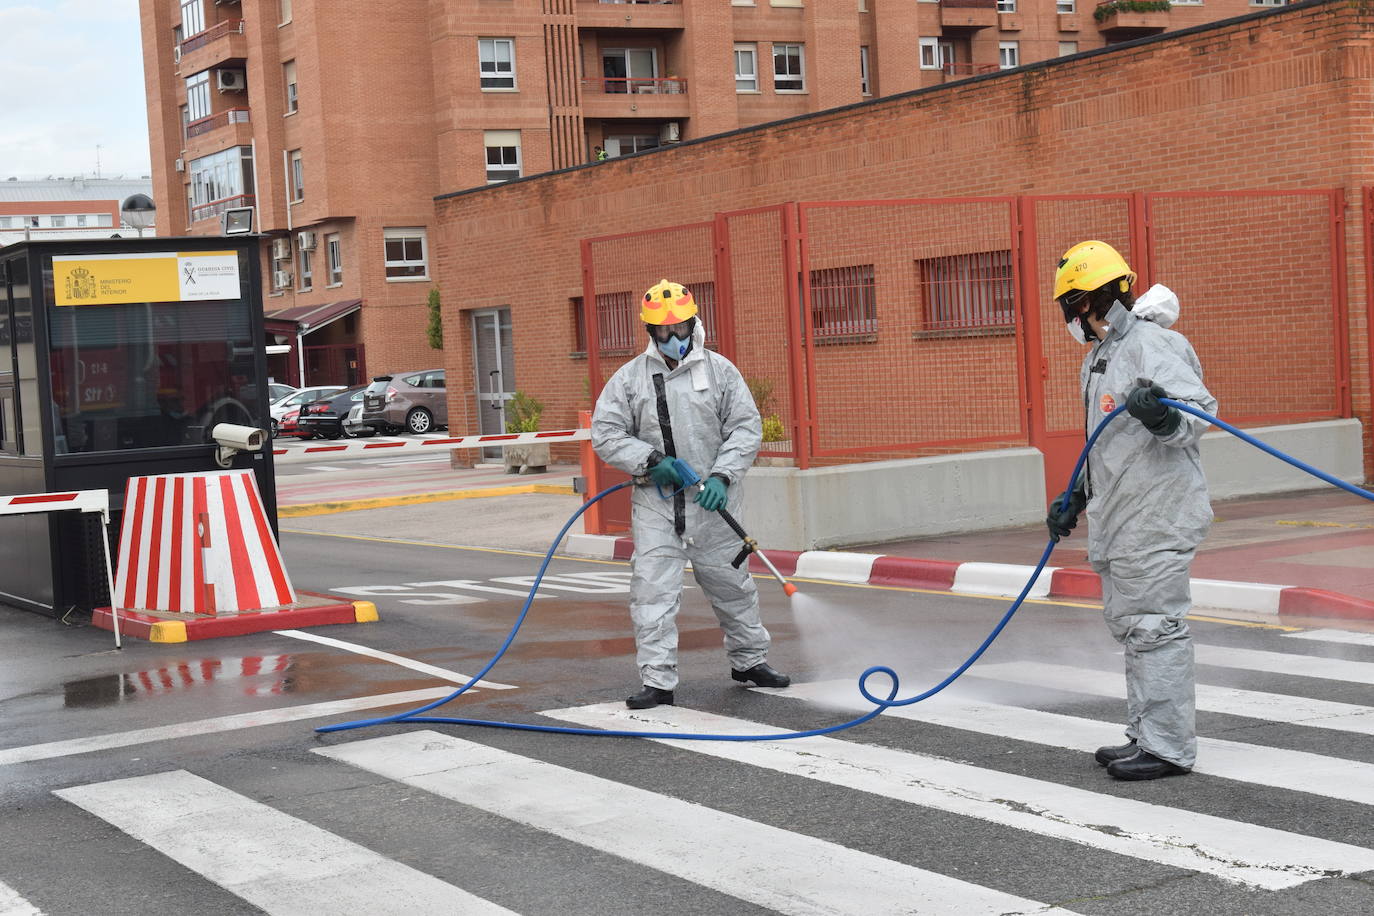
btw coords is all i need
(763, 676)
(650, 697)
(1144, 765)
(1109, 755)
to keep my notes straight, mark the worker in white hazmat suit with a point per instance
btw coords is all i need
(679, 399)
(1145, 495)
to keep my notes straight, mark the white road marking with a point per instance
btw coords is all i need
(259, 854)
(1296, 771)
(1348, 637)
(1253, 704)
(95, 743)
(792, 873)
(11, 904)
(1231, 850)
(1335, 669)
(441, 673)
(323, 467)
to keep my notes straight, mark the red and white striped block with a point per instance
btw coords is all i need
(76, 501)
(313, 452)
(1007, 580)
(198, 543)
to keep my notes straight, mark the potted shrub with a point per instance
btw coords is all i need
(522, 416)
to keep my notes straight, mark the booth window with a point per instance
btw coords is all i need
(149, 375)
(9, 441)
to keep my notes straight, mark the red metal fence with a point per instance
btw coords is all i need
(902, 328)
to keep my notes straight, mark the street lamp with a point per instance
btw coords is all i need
(138, 211)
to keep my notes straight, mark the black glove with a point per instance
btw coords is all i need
(1143, 403)
(1063, 518)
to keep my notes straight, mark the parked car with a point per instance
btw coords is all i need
(288, 425)
(294, 401)
(414, 401)
(328, 417)
(275, 392)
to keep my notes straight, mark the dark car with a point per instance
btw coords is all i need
(326, 417)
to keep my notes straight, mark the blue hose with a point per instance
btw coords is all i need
(415, 716)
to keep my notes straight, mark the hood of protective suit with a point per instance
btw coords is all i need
(1157, 304)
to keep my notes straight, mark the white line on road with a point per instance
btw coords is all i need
(264, 856)
(323, 467)
(1231, 850)
(441, 673)
(1343, 636)
(792, 873)
(1335, 669)
(11, 904)
(210, 726)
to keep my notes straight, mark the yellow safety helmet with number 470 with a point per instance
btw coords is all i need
(667, 303)
(1091, 265)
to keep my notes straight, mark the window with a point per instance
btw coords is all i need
(789, 68)
(334, 248)
(746, 67)
(496, 59)
(864, 86)
(503, 155)
(4, 222)
(192, 17)
(1006, 6)
(297, 176)
(307, 278)
(930, 54)
(198, 96)
(33, 222)
(1064, 7)
(288, 71)
(217, 181)
(405, 254)
(285, 9)
(185, 119)
(1268, 2)
(106, 221)
(59, 222)
(1068, 47)
(1008, 54)
(624, 144)
(967, 291)
(843, 302)
(630, 70)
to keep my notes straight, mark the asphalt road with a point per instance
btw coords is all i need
(983, 800)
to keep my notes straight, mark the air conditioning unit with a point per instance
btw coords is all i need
(670, 132)
(231, 80)
(179, 165)
(307, 240)
(281, 279)
(281, 249)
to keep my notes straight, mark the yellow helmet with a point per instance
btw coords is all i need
(1091, 265)
(667, 303)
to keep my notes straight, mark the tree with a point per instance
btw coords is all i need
(435, 329)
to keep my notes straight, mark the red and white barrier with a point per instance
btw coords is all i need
(313, 452)
(198, 543)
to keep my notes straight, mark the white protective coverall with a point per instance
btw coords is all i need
(716, 430)
(1148, 510)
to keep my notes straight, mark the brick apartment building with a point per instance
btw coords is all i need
(1228, 161)
(336, 123)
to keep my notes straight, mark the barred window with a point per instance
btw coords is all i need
(843, 302)
(968, 291)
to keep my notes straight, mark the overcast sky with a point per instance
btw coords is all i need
(72, 76)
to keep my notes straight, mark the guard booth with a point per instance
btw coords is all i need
(117, 359)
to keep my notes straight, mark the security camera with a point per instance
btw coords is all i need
(233, 439)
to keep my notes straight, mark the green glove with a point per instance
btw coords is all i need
(665, 475)
(712, 495)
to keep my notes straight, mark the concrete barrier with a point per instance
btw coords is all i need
(1237, 468)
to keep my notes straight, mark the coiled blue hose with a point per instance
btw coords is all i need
(415, 716)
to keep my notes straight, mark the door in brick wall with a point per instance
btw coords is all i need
(494, 356)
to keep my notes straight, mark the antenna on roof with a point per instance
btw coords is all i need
(97, 160)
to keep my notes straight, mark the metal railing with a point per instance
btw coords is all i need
(636, 85)
(642, 2)
(216, 207)
(216, 31)
(222, 119)
(970, 4)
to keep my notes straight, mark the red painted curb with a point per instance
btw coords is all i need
(1318, 602)
(139, 626)
(1075, 583)
(624, 548)
(784, 560)
(913, 572)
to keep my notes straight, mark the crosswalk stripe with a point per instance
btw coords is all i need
(1231, 850)
(442, 673)
(1348, 637)
(11, 904)
(270, 859)
(794, 873)
(1334, 669)
(1280, 768)
(1253, 704)
(211, 726)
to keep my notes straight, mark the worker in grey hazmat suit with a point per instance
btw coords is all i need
(1145, 494)
(679, 399)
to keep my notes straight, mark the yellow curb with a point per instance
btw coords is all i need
(168, 631)
(364, 611)
(1323, 524)
(353, 505)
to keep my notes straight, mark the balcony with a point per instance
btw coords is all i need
(635, 97)
(629, 14)
(964, 71)
(1122, 20)
(964, 16)
(222, 119)
(215, 207)
(219, 44)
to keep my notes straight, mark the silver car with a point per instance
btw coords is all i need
(414, 401)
